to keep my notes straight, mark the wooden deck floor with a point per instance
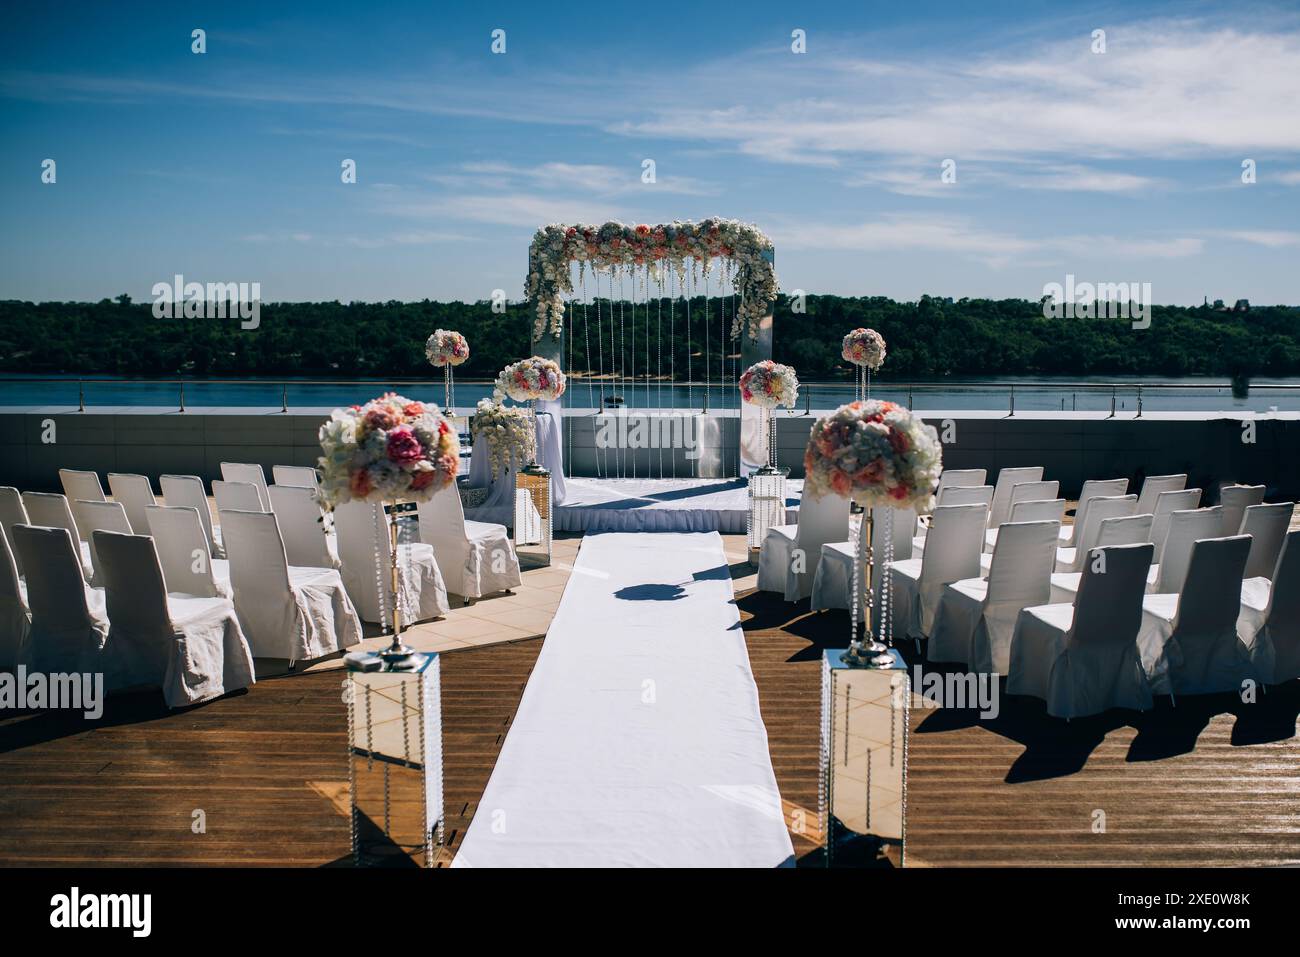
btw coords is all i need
(1210, 782)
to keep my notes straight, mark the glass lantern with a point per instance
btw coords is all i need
(766, 505)
(862, 791)
(533, 519)
(395, 774)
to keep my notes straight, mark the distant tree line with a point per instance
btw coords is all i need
(928, 338)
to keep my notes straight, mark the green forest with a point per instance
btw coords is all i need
(929, 338)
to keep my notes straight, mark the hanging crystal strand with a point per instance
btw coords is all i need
(866, 375)
(885, 577)
(568, 369)
(446, 389)
(859, 558)
(631, 396)
(586, 357)
(620, 455)
(672, 354)
(690, 391)
(708, 366)
(659, 362)
(381, 566)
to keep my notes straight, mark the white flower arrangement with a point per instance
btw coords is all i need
(529, 379)
(875, 454)
(446, 348)
(864, 347)
(770, 384)
(681, 245)
(508, 432)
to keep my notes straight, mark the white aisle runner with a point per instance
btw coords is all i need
(638, 741)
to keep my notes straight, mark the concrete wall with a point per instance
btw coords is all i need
(1071, 446)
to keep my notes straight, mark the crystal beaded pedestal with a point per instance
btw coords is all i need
(395, 759)
(766, 505)
(862, 791)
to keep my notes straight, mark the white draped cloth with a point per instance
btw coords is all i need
(501, 484)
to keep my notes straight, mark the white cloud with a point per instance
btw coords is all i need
(1273, 238)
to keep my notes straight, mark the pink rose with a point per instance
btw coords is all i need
(360, 484)
(403, 447)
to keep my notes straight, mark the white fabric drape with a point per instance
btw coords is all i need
(475, 558)
(501, 485)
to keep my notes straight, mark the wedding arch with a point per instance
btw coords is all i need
(666, 266)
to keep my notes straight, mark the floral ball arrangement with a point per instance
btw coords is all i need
(391, 448)
(875, 454)
(528, 379)
(507, 430)
(446, 348)
(864, 347)
(770, 384)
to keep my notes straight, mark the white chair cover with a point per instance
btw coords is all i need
(95, 517)
(237, 497)
(250, 473)
(136, 494)
(474, 558)
(191, 648)
(1271, 628)
(1039, 510)
(833, 581)
(307, 541)
(977, 617)
(15, 617)
(1129, 530)
(959, 477)
(1203, 651)
(821, 520)
(1008, 479)
(1166, 504)
(966, 495)
(187, 566)
(1092, 488)
(12, 512)
(1235, 499)
(550, 447)
(1099, 509)
(1154, 486)
(1020, 493)
(308, 618)
(1267, 525)
(81, 486)
(51, 510)
(1185, 528)
(953, 553)
(299, 476)
(188, 490)
(69, 626)
(366, 550)
(1083, 658)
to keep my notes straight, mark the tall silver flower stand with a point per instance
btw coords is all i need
(395, 758)
(862, 792)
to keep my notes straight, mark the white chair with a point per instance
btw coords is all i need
(1083, 658)
(1202, 650)
(959, 477)
(1235, 499)
(1185, 529)
(366, 550)
(1008, 479)
(833, 582)
(1266, 525)
(252, 474)
(1167, 503)
(136, 494)
(952, 554)
(237, 497)
(1037, 491)
(1092, 488)
(1153, 486)
(188, 490)
(188, 567)
(15, 616)
(1099, 509)
(977, 616)
(81, 486)
(1269, 623)
(69, 626)
(954, 495)
(1125, 530)
(821, 520)
(474, 558)
(191, 648)
(283, 616)
(96, 517)
(302, 524)
(51, 510)
(298, 476)
(1039, 510)
(12, 512)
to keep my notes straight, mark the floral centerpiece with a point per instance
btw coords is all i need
(530, 379)
(680, 245)
(390, 449)
(446, 348)
(770, 384)
(507, 431)
(875, 454)
(864, 347)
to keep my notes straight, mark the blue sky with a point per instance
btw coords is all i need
(1119, 166)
